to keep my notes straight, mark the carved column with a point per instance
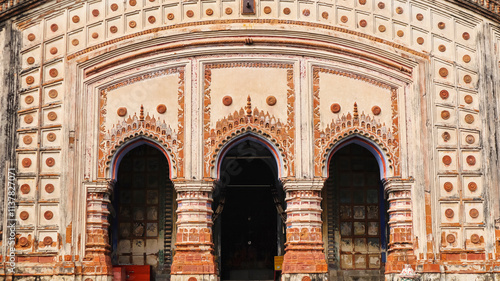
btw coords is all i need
(193, 258)
(400, 248)
(97, 260)
(304, 258)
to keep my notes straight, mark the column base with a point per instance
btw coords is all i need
(304, 277)
(194, 277)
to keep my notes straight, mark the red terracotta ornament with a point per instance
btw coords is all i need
(470, 139)
(475, 239)
(324, 15)
(335, 107)
(306, 12)
(471, 160)
(271, 100)
(376, 110)
(28, 119)
(52, 116)
(446, 136)
(161, 108)
(51, 137)
(25, 188)
(450, 238)
(29, 99)
(26, 162)
(227, 100)
(474, 213)
(49, 188)
(449, 213)
(23, 242)
(27, 139)
(446, 160)
(472, 186)
(209, 12)
(122, 111)
(286, 11)
(24, 215)
(47, 241)
(48, 215)
(50, 162)
(54, 27)
(448, 186)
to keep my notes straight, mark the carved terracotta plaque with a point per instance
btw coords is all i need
(450, 238)
(113, 29)
(420, 40)
(444, 94)
(362, 23)
(324, 15)
(50, 161)
(420, 17)
(306, 12)
(474, 213)
(267, 10)
(30, 80)
(29, 99)
(52, 116)
(51, 137)
(114, 7)
(26, 162)
(446, 136)
(466, 36)
(53, 72)
(53, 50)
(75, 19)
(122, 111)
(47, 241)
(24, 215)
(441, 25)
(472, 186)
(27, 139)
(335, 107)
(53, 94)
(48, 215)
(161, 108)
(170, 16)
(152, 19)
(475, 239)
(448, 186)
(466, 58)
(227, 100)
(25, 188)
(23, 242)
(28, 119)
(470, 139)
(446, 160)
(189, 13)
(449, 213)
(229, 11)
(31, 37)
(30, 60)
(445, 114)
(54, 27)
(49, 188)
(271, 100)
(344, 19)
(471, 160)
(443, 72)
(376, 110)
(469, 118)
(381, 5)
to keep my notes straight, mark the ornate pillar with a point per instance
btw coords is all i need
(193, 258)
(304, 258)
(400, 248)
(97, 260)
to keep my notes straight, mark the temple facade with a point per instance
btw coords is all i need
(206, 140)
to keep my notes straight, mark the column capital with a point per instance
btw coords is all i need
(397, 184)
(194, 185)
(303, 184)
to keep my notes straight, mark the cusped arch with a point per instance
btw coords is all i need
(369, 141)
(270, 143)
(131, 143)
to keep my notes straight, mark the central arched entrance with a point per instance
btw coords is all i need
(248, 201)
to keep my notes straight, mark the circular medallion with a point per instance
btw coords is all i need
(28, 119)
(467, 79)
(227, 100)
(446, 160)
(443, 72)
(381, 5)
(468, 99)
(75, 42)
(399, 10)
(25, 188)
(271, 100)
(23, 242)
(441, 25)
(324, 15)
(122, 111)
(450, 238)
(53, 72)
(95, 13)
(113, 29)
(267, 10)
(469, 118)
(47, 241)
(446, 136)
(420, 40)
(30, 60)
(114, 7)
(53, 50)
(306, 278)
(400, 33)
(335, 107)
(376, 110)
(362, 2)
(170, 16)
(445, 114)
(286, 11)
(475, 239)
(29, 99)
(30, 80)
(49, 188)
(95, 35)
(466, 58)
(132, 24)
(192, 279)
(190, 13)
(209, 12)
(48, 215)
(474, 213)
(53, 94)
(24, 215)
(31, 37)
(27, 139)
(132, 2)
(51, 137)
(381, 28)
(151, 19)
(420, 17)
(26, 162)
(75, 19)
(466, 36)
(50, 162)
(52, 116)
(362, 23)
(470, 139)
(306, 12)
(471, 160)
(344, 19)
(442, 48)
(472, 186)
(448, 186)
(54, 27)
(161, 108)
(228, 11)
(449, 213)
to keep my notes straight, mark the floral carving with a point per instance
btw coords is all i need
(387, 137)
(111, 139)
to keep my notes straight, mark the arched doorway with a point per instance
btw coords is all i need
(354, 216)
(143, 217)
(248, 200)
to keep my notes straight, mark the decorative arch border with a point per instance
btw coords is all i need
(248, 119)
(258, 138)
(383, 140)
(139, 125)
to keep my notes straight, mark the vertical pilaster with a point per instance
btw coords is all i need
(194, 246)
(400, 248)
(304, 258)
(97, 261)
